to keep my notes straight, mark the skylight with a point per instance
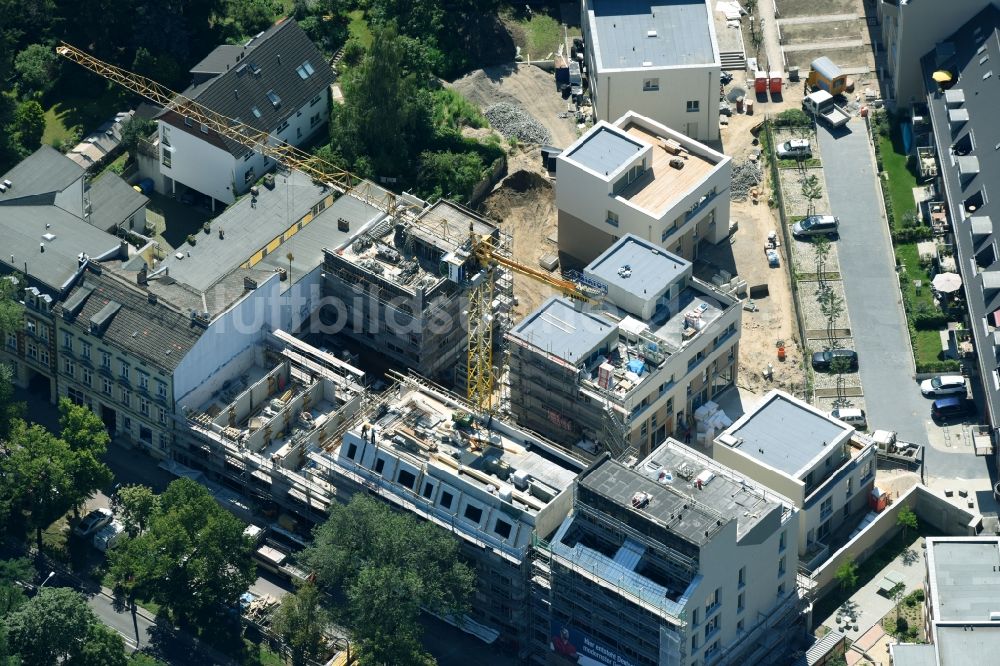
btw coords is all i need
(305, 70)
(256, 112)
(275, 100)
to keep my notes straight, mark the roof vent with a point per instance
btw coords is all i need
(647, 63)
(6, 183)
(49, 237)
(987, 75)
(651, 33)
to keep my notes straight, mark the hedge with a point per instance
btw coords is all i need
(939, 366)
(907, 235)
(929, 321)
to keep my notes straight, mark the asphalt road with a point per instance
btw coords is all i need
(871, 285)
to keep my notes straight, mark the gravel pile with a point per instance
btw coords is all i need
(513, 121)
(746, 176)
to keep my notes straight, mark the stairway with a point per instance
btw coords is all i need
(733, 60)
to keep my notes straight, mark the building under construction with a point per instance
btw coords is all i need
(402, 289)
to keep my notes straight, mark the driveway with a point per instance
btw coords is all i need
(871, 286)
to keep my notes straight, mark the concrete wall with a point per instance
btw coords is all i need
(910, 31)
(929, 507)
(197, 164)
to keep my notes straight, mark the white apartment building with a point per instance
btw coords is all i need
(636, 176)
(277, 82)
(658, 58)
(630, 371)
(816, 461)
(674, 561)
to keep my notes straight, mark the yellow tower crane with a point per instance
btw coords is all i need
(481, 377)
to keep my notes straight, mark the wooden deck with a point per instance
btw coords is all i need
(656, 191)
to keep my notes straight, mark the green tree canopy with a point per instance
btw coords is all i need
(847, 574)
(448, 174)
(29, 124)
(390, 565)
(192, 559)
(136, 130)
(300, 621)
(88, 439)
(135, 505)
(36, 67)
(906, 519)
(253, 16)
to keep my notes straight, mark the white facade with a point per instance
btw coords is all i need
(684, 96)
(676, 209)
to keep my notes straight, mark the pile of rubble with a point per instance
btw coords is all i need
(746, 177)
(513, 121)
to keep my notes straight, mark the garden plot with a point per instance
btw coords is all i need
(812, 308)
(817, 33)
(804, 258)
(790, 8)
(796, 203)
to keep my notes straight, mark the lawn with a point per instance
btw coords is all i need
(358, 27)
(74, 116)
(539, 35)
(901, 179)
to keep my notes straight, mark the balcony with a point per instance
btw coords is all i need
(705, 202)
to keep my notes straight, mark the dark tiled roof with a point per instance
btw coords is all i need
(39, 176)
(268, 64)
(157, 333)
(219, 60)
(973, 54)
(112, 200)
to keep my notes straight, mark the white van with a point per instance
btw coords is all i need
(109, 536)
(852, 416)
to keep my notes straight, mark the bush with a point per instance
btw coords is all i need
(793, 118)
(902, 626)
(929, 321)
(905, 235)
(354, 51)
(192, 240)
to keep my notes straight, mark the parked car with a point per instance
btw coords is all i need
(92, 522)
(816, 225)
(108, 536)
(852, 416)
(794, 149)
(951, 407)
(824, 360)
(943, 385)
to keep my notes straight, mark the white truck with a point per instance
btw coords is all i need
(820, 104)
(894, 449)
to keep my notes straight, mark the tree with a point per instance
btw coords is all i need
(12, 596)
(897, 593)
(29, 124)
(135, 505)
(88, 439)
(389, 565)
(103, 646)
(253, 16)
(48, 628)
(134, 131)
(192, 559)
(847, 574)
(448, 174)
(907, 520)
(36, 66)
(812, 190)
(822, 249)
(300, 621)
(831, 304)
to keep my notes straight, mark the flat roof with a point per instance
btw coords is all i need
(662, 184)
(787, 434)
(249, 225)
(559, 328)
(637, 266)
(966, 577)
(629, 33)
(910, 654)
(674, 502)
(966, 646)
(605, 150)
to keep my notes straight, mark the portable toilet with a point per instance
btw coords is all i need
(878, 500)
(775, 84)
(760, 82)
(825, 75)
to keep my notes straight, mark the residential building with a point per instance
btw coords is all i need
(402, 291)
(45, 208)
(495, 487)
(965, 136)
(636, 176)
(911, 28)
(631, 368)
(277, 82)
(659, 59)
(961, 621)
(101, 146)
(118, 350)
(676, 560)
(818, 462)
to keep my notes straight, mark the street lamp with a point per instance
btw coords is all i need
(47, 579)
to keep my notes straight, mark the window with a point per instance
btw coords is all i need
(352, 450)
(379, 465)
(273, 97)
(256, 112)
(741, 602)
(694, 643)
(847, 510)
(739, 626)
(446, 499)
(315, 100)
(694, 618)
(781, 590)
(743, 576)
(107, 386)
(204, 128)
(126, 397)
(315, 119)
(161, 416)
(781, 541)
(406, 478)
(711, 627)
(167, 157)
(781, 566)
(829, 461)
(75, 395)
(503, 528)
(85, 350)
(305, 70)
(248, 176)
(713, 601)
(105, 360)
(826, 508)
(30, 326)
(866, 471)
(850, 486)
(282, 127)
(473, 513)
(127, 424)
(143, 380)
(144, 406)
(650, 85)
(125, 370)
(88, 377)
(12, 340)
(612, 218)
(428, 490)
(161, 390)
(188, 121)
(68, 340)
(163, 441)
(43, 356)
(69, 368)
(692, 106)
